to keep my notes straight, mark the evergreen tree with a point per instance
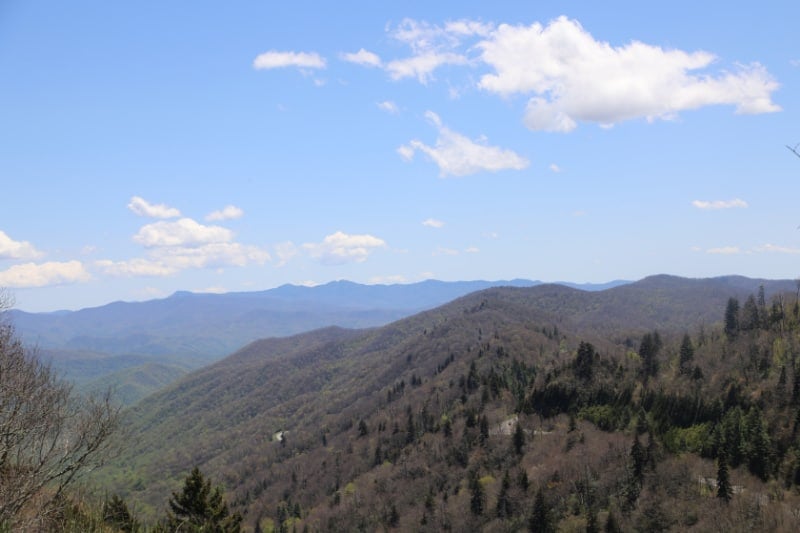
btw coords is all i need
(477, 500)
(732, 318)
(686, 354)
(519, 438)
(724, 488)
(638, 459)
(484, 430)
(584, 361)
(197, 508)
(750, 318)
(117, 514)
(648, 352)
(540, 517)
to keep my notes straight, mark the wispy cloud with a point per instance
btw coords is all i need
(772, 248)
(457, 155)
(143, 208)
(362, 57)
(389, 107)
(433, 223)
(719, 204)
(229, 212)
(725, 250)
(275, 59)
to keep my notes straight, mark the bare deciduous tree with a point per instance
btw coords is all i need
(48, 434)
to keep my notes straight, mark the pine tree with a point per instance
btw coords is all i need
(686, 354)
(732, 318)
(724, 488)
(584, 361)
(197, 508)
(477, 501)
(519, 439)
(117, 514)
(540, 517)
(638, 459)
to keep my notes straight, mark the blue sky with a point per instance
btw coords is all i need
(148, 147)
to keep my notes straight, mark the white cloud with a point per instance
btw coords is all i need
(719, 204)
(472, 250)
(143, 208)
(229, 212)
(363, 57)
(339, 248)
(468, 28)
(11, 249)
(574, 77)
(44, 274)
(422, 66)
(725, 250)
(275, 59)
(389, 107)
(554, 168)
(457, 155)
(433, 223)
(183, 232)
(772, 248)
(569, 77)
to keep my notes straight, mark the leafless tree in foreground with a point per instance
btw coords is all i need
(48, 434)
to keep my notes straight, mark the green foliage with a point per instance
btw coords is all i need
(199, 508)
(116, 513)
(584, 361)
(732, 318)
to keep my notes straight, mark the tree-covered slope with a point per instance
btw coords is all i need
(415, 423)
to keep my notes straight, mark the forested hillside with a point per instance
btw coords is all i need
(137, 347)
(670, 406)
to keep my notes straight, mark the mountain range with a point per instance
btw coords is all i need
(126, 344)
(319, 417)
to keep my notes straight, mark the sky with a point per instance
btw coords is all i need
(149, 147)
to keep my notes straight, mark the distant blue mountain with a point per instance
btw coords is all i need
(195, 328)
